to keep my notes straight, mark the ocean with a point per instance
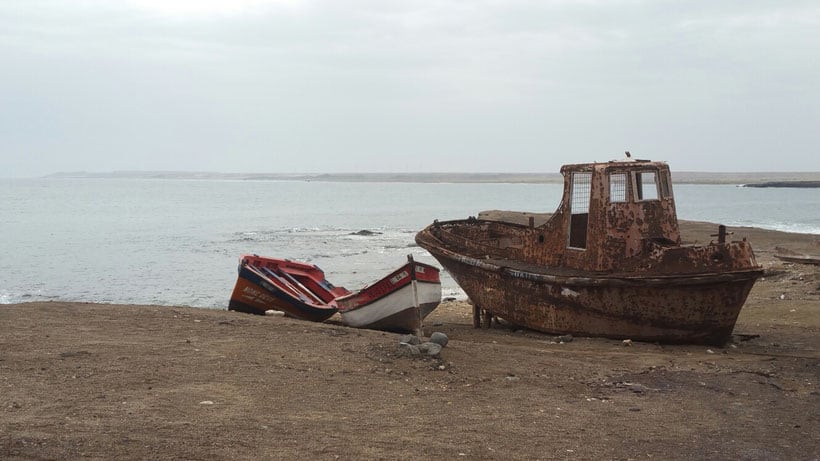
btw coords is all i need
(176, 242)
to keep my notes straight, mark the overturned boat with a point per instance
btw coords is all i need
(609, 262)
(298, 289)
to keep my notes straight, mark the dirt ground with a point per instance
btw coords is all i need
(90, 381)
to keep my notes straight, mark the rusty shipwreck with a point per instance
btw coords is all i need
(609, 262)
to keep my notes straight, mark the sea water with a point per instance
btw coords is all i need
(176, 242)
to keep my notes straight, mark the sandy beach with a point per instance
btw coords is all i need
(92, 381)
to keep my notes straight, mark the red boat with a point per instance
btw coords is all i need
(397, 302)
(298, 289)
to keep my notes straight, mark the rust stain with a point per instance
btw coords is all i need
(612, 266)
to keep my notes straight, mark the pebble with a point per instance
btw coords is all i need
(431, 349)
(408, 350)
(206, 402)
(274, 312)
(637, 388)
(439, 338)
(627, 342)
(565, 339)
(410, 339)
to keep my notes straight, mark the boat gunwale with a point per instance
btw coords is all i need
(603, 279)
(374, 300)
(361, 291)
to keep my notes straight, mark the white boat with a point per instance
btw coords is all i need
(397, 302)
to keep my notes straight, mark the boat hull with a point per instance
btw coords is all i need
(676, 309)
(608, 262)
(800, 259)
(395, 311)
(398, 302)
(254, 294)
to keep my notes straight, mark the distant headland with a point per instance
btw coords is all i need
(325, 177)
(800, 184)
(754, 179)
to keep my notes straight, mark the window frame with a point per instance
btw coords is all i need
(626, 194)
(639, 185)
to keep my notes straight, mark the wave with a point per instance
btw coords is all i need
(338, 232)
(342, 253)
(779, 226)
(457, 293)
(7, 297)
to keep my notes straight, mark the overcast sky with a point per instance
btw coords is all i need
(309, 86)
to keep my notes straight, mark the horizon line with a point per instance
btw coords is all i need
(681, 177)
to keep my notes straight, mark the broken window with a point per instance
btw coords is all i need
(646, 188)
(579, 209)
(666, 185)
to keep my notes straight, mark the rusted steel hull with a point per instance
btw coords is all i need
(609, 262)
(692, 308)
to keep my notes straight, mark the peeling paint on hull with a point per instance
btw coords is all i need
(700, 309)
(609, 262)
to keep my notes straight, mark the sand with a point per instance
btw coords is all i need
(98, 381)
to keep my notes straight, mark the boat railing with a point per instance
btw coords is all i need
(495, 246)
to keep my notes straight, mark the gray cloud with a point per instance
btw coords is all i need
(395, 86)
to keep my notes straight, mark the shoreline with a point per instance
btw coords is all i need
(765, 243)
(103, 381)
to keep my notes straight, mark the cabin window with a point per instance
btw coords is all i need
(617, 187)
(646, 186)
(666, 185)
(579, 209)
